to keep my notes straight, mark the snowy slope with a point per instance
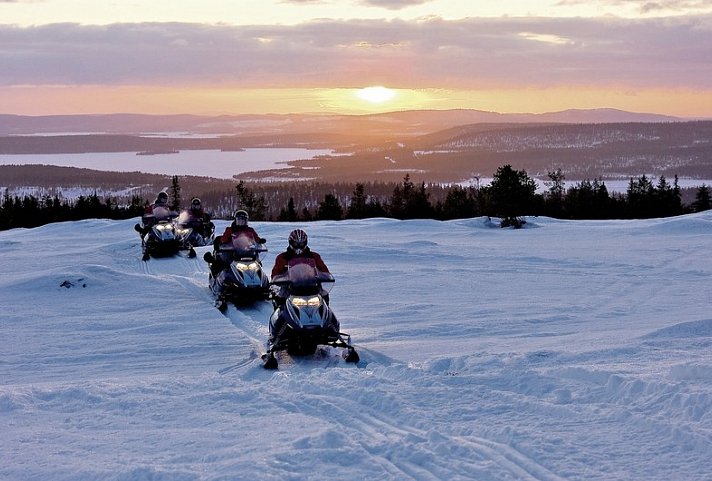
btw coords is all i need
(563, 351)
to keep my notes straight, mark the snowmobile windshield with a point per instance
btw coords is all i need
(187, 219)
(245, 247)
(305, 278)
(161, 213)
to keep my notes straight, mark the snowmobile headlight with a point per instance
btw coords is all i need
(247, 266)
(302, 302)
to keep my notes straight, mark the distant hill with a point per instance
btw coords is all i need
(412, 122)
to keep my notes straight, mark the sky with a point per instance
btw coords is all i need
(564, 351)
(356, 56)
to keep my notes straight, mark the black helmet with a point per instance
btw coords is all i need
(195, 204)
(241, 217)
(162, 198)
(298, 240)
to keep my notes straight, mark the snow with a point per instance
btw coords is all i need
(568, 350)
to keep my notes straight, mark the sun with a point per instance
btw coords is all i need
(376, 95)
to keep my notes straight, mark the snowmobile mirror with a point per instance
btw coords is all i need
(138, 229)
(208, 257)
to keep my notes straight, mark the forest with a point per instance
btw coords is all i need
(512, 195)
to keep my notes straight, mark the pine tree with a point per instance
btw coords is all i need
(702, 199)
(250, 202)
(290, 214)
(460, 203)
(409, 202)
(512, 194)
(174, 194)
(329, 208)
(555, 195)
(357, 209)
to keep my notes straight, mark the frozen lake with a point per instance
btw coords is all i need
(208, 163)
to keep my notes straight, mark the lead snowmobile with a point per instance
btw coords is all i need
(236, 273)
(158, 234)
(303, 319)
(193, 231)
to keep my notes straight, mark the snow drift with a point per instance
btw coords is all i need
(563, 351)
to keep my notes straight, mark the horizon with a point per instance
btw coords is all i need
(73, 57)
(505, 115)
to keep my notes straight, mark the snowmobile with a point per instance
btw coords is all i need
(236, 273)
(302, 318)
(158, 234)
(193, 232)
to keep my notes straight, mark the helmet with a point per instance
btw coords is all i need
(162, 198)
(195, 204)
(241, 217)
(298, 240)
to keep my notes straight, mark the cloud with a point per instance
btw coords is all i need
(432, 53)
(389, 4)
(650, 6)
(393, 4)
(303, 2)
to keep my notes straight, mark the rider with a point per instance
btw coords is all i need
(297, 249)
(197, 215)
(237, 227)
(196, 208)
(149, 218)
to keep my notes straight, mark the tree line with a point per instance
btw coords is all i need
(511, 196)
(30, 211)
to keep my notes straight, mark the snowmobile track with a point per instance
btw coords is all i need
(375, 430)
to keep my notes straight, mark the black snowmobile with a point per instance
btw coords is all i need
(158, 234)
(236, 273)
(193, 232)
(302, 319)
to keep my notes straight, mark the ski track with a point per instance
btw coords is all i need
(373, 430)
(609, 386)
(389, 442)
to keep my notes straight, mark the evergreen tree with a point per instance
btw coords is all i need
(250, 202)
(290, 214)
(306, 215)
(587, 200)
(419, 206)
(555, 195)
(702, 199)
(401, 193)
(358, 207)
(174, 194)
(460, 203)
(669, 198)
(512, 195)
(640, 198)
(409, 202)
(330, 209)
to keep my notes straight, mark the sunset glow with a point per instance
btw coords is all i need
(290, 56)
(41, 100)
(376, 95)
